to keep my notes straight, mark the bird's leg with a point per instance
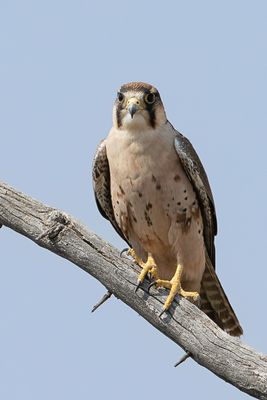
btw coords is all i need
(147, 267)
(133, 254)
(175, 288)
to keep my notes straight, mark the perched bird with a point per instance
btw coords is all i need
(150, 184)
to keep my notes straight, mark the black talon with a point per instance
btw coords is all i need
(150, 285)
(182, 359)
(138, 286)
(124, 251)
(162, 312)
(150, 276)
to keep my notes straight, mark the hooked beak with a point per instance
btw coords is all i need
(133, 106)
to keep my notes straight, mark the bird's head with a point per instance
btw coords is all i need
(138, 106)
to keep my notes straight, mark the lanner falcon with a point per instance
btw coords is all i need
(150, 184)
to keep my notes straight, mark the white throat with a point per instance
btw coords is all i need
(138, 122)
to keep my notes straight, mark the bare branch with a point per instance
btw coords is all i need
(185, 324)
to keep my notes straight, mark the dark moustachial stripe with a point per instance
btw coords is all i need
(151, 112)
(118, 114)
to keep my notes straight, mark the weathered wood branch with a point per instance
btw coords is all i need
(186, 325)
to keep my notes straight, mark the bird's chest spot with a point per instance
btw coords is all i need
(151, 205)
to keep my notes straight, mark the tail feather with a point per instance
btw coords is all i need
(215, 303)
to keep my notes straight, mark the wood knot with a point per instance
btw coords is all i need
(57, 220)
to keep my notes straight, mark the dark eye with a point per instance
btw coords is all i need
(120, 97)
(150, 98)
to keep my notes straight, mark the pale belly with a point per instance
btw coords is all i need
(156, 208)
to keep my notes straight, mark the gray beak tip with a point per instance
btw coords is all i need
(132, 109)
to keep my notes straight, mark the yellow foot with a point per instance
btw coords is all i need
(175, 288)
(147, 267)
(133, 254)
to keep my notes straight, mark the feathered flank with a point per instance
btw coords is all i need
(101, 184)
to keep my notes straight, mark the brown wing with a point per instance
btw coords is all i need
(197, 175)
(101, 184)
(214, 301)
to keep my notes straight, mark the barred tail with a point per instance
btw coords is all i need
(215, 304)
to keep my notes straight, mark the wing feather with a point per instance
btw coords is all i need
(101, 185)
(197, 175)
(214, 301)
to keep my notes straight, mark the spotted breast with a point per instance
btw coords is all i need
(154, 203)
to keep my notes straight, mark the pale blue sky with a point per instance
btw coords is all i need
(61, 63)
